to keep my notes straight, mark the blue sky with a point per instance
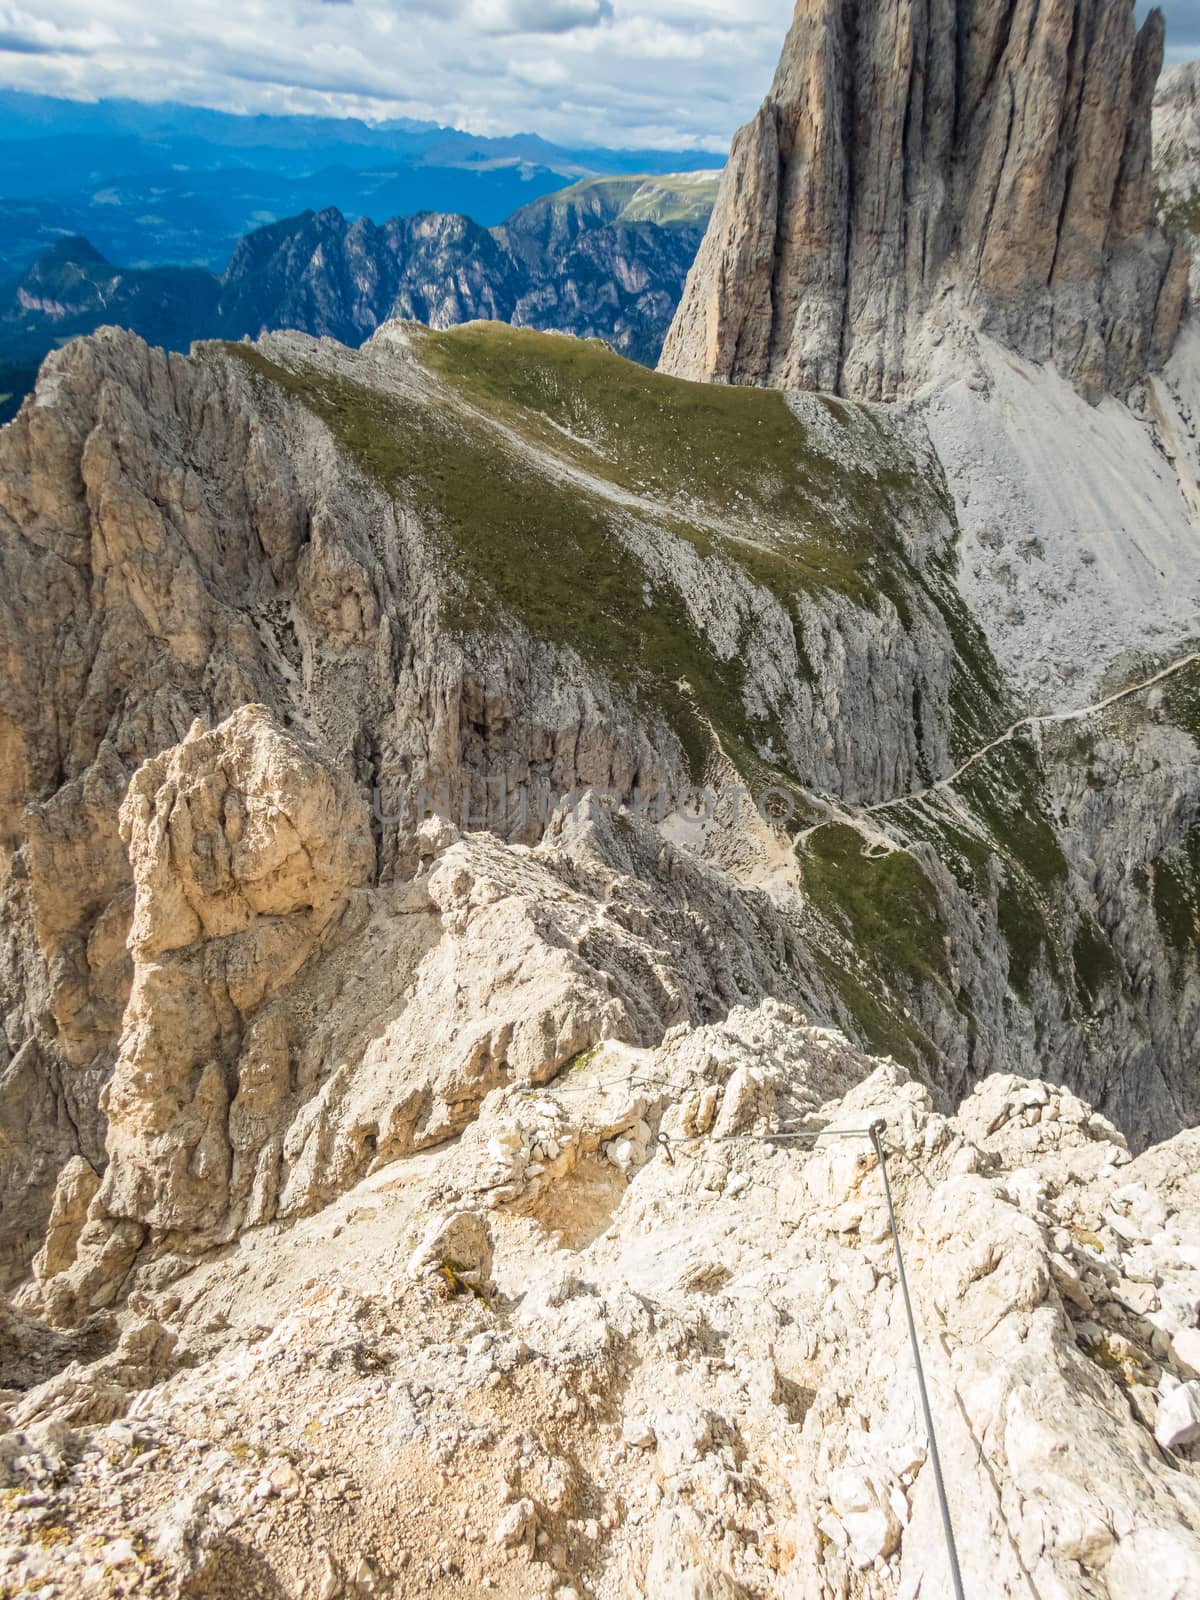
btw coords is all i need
(670, 73)
(1183, 27)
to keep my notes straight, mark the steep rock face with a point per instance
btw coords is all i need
(602, 259)
(1177, 157)
(337, 279)
(382, 549)
(292, 1028)
(186, 537)
(244, 850)
(318, 272)
(609, 259)
(912, 171)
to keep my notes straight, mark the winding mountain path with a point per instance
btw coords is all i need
(856, 817)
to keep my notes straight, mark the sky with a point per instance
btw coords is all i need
(676, 74)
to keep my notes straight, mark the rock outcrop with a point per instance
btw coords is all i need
(276, 527)
(244, 849)
(603, 259)
(1177, 157)
(619, 1341)
(914, 175)
(184, 538)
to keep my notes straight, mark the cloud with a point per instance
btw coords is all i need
(542, 73)
(17, 44)
(672, 74)
(666, 73)
(537, 16)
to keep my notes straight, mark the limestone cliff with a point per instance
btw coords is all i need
(381, 551)
(189, 536)
(915, 173)
(1177, 157)
(459, 799)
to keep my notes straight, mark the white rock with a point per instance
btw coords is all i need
(683, 1438)
(118, 1553)
(1178, 1420)
(850, 1491)
(873, 1534)
(1124, 1228)
(638, 1433)
(1155, 1560)
(833, 1530)
(621, 1153)
(462, 1241)
(285, 1481)
(502, 1154)
(329, 1583)
(516, 1526)
(1185, 1351)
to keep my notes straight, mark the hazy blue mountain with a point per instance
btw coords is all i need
(157, 184)
(605, 258)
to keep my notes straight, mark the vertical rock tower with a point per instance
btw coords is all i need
(921, 168)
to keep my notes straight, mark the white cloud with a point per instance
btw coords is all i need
(666, 73)
(536, 16)
(541, 73)
(669, 73)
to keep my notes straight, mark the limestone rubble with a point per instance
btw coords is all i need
(668, 1357)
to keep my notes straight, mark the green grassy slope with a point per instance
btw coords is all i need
(732, 472)
(528, 455)
(676, 198)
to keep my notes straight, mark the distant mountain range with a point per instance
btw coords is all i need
(156, 184)
(604, 258)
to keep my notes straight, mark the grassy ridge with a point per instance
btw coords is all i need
(680, 198)
(513, 476)
(525, 544)
(705, 453)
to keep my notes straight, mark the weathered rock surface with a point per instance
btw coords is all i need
(292, 1028)
(1177, 157)
(183, 540)
(188, 538)
(245, 849)
(687, 1374)
(362, 1109)
(914, 175)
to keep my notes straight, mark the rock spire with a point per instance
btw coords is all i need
(920, 169)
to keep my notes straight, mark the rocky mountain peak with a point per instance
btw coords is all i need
(417, 1184)
(918, 172)
(1177, 156)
